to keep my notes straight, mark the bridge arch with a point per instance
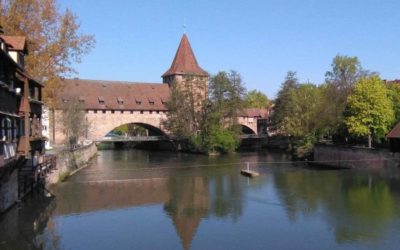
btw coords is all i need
(102, 123)
(247, 130)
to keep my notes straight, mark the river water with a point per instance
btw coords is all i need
(133, 199)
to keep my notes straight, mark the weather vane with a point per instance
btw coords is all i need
(184, 25)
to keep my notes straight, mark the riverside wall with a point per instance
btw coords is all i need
(68, 162)
(356, 157)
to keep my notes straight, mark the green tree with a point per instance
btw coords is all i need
(283, 108)
(394, 95)
(369, 110)
(220, 130)
(339, 85)
(256, 99)
(182, 119)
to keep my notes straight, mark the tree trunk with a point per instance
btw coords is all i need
(369, 141)
(53, 125)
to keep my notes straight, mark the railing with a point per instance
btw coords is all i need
(161, 138)
(31, 176)
(132, 138)
(253, 136)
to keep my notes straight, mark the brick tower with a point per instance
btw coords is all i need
(185, 71)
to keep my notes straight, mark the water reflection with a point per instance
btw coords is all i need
(357, 205)
(136, 199)
(27, 226)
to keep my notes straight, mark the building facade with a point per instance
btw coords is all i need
(21, 141)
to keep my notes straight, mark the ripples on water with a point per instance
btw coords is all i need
(147, 200)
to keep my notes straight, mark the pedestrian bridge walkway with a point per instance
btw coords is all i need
(161, 138)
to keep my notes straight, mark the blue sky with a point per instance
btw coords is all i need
(262, 40)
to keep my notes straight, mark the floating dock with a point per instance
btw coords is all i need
(249, 173)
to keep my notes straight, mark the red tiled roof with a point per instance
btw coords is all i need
(184, 62)
(255, 112)
(91, 91)
(395, 133)
(16, 43)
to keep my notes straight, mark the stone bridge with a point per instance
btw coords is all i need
(110, 104)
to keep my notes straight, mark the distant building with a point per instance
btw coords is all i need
(21, 141)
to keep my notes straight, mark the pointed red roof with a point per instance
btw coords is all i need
(185, 62)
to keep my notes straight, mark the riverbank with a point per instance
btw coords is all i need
(69, 162)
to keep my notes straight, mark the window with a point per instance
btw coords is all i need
(101, 100)
(95, 111)
(131, 111)
(81, 99)
(120, 101)
(151, 100)
(141, 111)
(112, 111)
(104, 111)
(122, 111)
(151, 112)
(138, 100)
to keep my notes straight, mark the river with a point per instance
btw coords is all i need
(132, 199)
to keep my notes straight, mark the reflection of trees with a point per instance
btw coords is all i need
(226, 196)
(357, 208)
(28, 227)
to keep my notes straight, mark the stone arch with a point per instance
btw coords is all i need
(102, 123)
(249, 122)
(247, 130)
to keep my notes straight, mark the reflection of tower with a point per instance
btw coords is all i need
(186, 73)
(188, 204)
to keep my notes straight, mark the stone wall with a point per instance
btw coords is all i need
(8, 189)
(355, 157)
(70, 161)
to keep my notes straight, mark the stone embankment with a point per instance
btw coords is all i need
(356, 157)
(69, 162)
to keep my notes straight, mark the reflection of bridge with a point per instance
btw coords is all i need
(161, 138)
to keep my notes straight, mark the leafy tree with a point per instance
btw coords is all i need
(256, 99)
(339, 85)
(394, 95)
(74, 122)
(53, 40)
(130, 129)
(284, 103)
(369, 110)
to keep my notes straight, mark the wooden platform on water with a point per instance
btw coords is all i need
(249, 173)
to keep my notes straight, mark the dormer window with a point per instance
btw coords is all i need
(138, 100)
(151, 100)
(81, 99)
(65, 100)
(101, 100)
(163, 100)
(120, 101)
